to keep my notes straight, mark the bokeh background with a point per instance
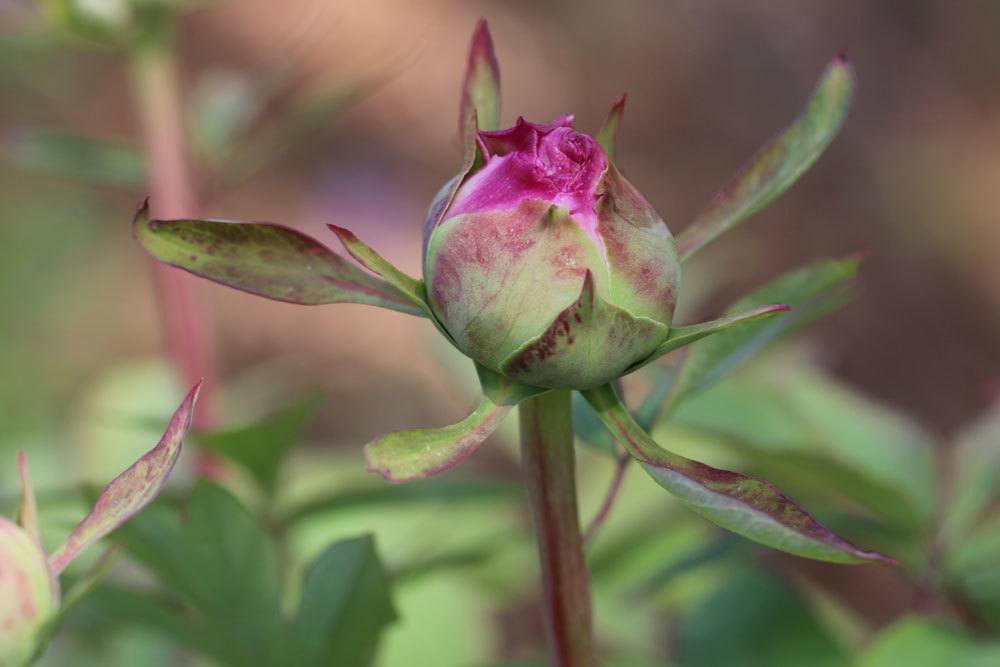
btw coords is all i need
(355, 107)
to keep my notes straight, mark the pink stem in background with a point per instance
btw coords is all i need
(187, 330)
(609, 499)
(550, 476)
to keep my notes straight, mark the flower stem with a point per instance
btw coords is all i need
(550, 476)
(188, 340)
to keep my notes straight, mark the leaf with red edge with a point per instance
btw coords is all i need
(265, 259)
(132, 490)
(746, 506)
(481, 86)
(778, 164)
(608, 133)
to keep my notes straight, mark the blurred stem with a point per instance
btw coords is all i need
(158, 95)
(550, 476)
(621, 467)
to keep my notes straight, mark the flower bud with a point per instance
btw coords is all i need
(28, 594)
(545, 264)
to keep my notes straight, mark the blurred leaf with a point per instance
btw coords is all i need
(749, 507)
(481, 86)
(922, 642)
(442, 490)
(221, 562)
(778, 164)
(971, 571)
(754, 620)
(976, 483)
(80, 158)
(803, 427)
(607, 135)
(810, 291)
(264, 259)
(223, 105)
(346, 604)
(262, 448)
(132, 490)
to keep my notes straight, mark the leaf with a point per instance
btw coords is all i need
(811, 292)
(778, 164)
(681, 336)
(263, 447)
(608, 132)
(749, 507)
(346, 604)
(132, 490)
(80, 158)
(765, 623)
(264, 259)
(481, 86)
(977, 476)
(413, 289)
(418, 453)
(442, 490)
(27, 511)
(916, 641)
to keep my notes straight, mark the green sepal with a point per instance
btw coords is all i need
(749, 507)
(27, 509)
(608, 133)
(778, 164)
(480, 108)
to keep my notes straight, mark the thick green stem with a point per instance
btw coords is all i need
(550, 476)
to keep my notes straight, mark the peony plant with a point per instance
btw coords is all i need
(553, 274)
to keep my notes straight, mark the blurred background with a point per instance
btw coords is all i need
(309, 113)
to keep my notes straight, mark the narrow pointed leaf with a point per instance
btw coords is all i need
(746, 506)
(264, 259)
(132, 490)
(681, 336)
(811, 292)
(778, 164)
(27, 511)
(481, 87)
(418, 453)
(609, 131)
(412, 288)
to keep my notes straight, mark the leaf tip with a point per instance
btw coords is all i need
(481, 47)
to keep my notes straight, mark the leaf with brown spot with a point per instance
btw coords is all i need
(132, 490)
(265, 259)
(746, 506)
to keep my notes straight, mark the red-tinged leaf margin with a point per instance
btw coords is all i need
(750, 507)
(608, 133)
(269, 260)
(132, 490)
(779, 163)
(480, 105)
(27, 511)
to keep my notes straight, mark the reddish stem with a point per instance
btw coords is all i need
(550, 476)
(609, 500)
(187, 331)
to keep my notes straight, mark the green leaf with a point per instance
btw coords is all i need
(418, 453)
(607, 134)
(749, 507)
(264, 259)
(764, 623)
(346, 604)
(481, 86)
(681, 336)
(811, 292)
(262, 448)
(132, 490)
(371, 260)
(80, 158)
(778, 164)
(915, 641)
(977, 476)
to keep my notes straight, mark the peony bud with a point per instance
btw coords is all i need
(29, 594)
(546, 265)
